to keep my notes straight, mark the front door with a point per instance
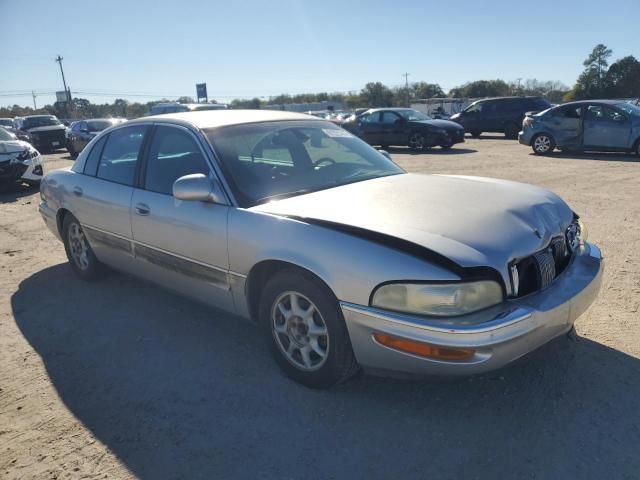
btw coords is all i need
(566, 125)
(180, 244)
(369, 128)
(606, 127)
(102, 194)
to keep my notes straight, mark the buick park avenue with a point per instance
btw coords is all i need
(344, 260)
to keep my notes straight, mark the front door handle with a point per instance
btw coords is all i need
(142, 209)
(77, 191)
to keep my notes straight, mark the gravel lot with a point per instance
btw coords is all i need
(120, 379)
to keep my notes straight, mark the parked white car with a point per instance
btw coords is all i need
(19, 161)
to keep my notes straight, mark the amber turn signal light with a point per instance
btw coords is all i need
(424, 349)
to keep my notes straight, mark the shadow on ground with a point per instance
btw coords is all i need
(14, 191)
(432, 151)
(177, 390)
(610, 157)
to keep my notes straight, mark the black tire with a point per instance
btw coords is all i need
(72, 151)
(417, 141)
(636, 148)
(511, 131)
(475, 133)
(543, 144)
(340, 363)
(445, 147)
(94, 269)
(384, 147)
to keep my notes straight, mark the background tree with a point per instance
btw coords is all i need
(481, 88)
(185, 100)
(421, 90)
(622, 80)
(591, 82)
(376, 94)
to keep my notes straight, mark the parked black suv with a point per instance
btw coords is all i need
(46, 132)
(502, 115)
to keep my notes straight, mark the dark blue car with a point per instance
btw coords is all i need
(596, 125)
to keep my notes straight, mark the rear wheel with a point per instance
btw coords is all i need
(511, 131)
(543, 144)
(72, 151)
(81, 257)
(475, 133)
(417, 141)
(637, 147)
(305, 330)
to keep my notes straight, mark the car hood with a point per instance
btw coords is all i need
(12, 146)
(445, 124)
(473, 221)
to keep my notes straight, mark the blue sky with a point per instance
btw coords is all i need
(261, 48)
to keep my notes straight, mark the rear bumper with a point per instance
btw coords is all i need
(49, 217)
(498, 335)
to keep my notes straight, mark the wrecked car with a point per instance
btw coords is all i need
(343, 259)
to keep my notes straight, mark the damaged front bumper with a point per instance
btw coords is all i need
(496, 336)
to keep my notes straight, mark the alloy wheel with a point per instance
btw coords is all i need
(300, 331)
(542, 144)
(416, 141)
(78, 246)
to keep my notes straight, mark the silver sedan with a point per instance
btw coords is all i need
(343, 259)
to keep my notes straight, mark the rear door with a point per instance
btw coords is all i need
(369, 127)
(606, 127)
(180, 244)
(392, 129)
(102, 194)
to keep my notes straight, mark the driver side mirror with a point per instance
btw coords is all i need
(198, 187)
(84, 130)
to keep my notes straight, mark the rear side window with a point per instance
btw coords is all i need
(120, 154)
(173, 154)
(91, 164)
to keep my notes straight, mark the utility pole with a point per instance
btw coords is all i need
(406, 86)
(33, 94)
(64, 83)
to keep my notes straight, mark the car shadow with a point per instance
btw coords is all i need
(432, 151)
(177, 390)
(608, 156)
(14, 191)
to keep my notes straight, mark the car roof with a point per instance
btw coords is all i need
(583, 102)
(221, 118)
(490, 99)
(39, 116)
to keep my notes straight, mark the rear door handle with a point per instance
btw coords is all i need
(77, 191)
(142, 209)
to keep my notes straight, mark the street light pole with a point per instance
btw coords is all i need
(406, 86)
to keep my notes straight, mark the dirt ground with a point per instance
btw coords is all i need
(120, 379)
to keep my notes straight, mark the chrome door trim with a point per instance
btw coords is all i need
(190, 267)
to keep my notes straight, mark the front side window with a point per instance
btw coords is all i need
(413, 115)
(475, 107)
(271, 160)
(614, 115)
(370, 117)
(97, 125)
(595, 112)
(173, 153)
(120, 153)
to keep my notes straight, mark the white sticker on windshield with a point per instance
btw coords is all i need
(337, 133)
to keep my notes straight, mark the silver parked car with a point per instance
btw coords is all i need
(595, 125)
(342, 258)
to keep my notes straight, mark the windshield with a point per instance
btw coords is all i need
(33, 122)
(5, 136)
(411, 114)
(6, 122)
(98, 125)
(272, 160)
(629, 108)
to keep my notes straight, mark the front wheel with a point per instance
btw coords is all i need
(305, 330)
(79, 253)
(543, 144)
(475, 133)
(511, 131)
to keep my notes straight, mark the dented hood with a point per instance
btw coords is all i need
(472, 221)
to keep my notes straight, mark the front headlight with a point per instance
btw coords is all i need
(576, 235)
(26, 155)
(438, 299)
